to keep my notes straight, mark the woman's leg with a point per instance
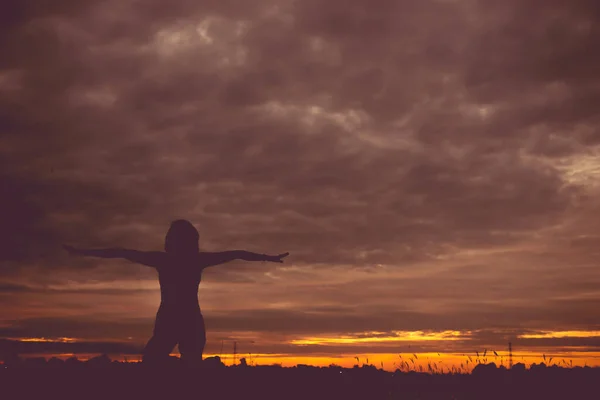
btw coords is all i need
(193, 340)
(162, 342)
(158, 349)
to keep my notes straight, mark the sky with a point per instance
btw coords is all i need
(431, 166)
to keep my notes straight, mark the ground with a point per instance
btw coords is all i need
(105, 379)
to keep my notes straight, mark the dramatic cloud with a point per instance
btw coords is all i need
(431, 166)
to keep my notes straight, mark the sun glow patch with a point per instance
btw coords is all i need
(561, 334)
(376, 337)
(48, 340)
(583, 169)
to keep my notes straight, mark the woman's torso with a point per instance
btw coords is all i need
(179, 281)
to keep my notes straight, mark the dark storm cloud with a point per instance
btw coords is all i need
(51, 347)
(371, 314)
(83, 327)
(311, 165)
(13, 288)
(445, 139)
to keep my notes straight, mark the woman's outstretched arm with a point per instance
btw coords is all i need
(209, 259)
(150, 258)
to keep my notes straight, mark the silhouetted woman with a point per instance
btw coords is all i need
(180, 266)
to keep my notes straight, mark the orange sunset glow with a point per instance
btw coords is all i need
(431, 167)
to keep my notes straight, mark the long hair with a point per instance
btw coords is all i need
(182, 237)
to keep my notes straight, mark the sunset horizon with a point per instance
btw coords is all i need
(431, 167)
(463, 362)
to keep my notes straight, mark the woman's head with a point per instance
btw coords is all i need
(182, 238)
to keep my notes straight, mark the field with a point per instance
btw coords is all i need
(101, 378)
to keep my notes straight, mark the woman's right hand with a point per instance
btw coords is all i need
(277, 258)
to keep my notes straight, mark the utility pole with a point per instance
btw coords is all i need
(221, 353)
(510, 364)
(234, 351)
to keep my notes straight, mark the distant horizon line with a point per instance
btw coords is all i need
(385, 361)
